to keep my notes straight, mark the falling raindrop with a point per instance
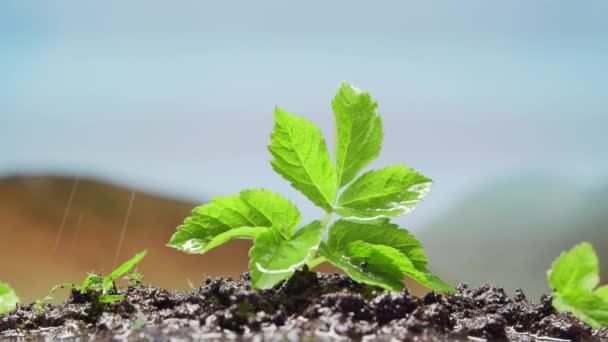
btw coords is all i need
(124, 229)
(75, 236)
(65, 214)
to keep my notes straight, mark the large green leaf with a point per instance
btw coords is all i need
(376, 257)
(209, 224)
(343, 232)
(577, 268)
(301, 157)
(8, 298)
(275, 257)
(373, 264)
(387, 192)
(589, 307)
(358, 132)
(380, 265)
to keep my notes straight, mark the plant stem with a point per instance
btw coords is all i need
(326, 220)
(319, 260)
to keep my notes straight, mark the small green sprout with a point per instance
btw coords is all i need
(8, 298)
(134, 278)
(101, 289)
(574, 277)
(139, 323)
(363, 242)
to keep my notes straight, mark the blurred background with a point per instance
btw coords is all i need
(116, 118)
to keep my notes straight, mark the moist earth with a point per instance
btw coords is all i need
(309, 306)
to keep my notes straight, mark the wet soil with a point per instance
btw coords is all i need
(310, 306)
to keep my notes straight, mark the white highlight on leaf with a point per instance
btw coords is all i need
(423, 190)
(192, 245)
(292, 268)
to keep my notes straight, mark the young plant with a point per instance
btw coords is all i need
(574, 277)
(8, 298)
(134, 278)
(101, 289)
(362, 242)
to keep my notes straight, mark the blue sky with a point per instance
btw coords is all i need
(177, 97)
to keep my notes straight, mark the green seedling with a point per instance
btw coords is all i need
(8, 298)
(101, 289)
(574, 277)
(362, 242)
(139, 323)
(134, 278)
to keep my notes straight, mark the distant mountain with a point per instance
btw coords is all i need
(510, 232)
(32, 209)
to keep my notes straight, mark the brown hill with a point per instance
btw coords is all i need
(31, 213)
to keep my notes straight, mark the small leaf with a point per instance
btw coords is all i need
(343, 232)
(40, 302)
(589, 307)
(301, 157)
(8, 298)
(93, 282)
(123, 269)
(577, 268)
(251, 208)
(371, 264)
(387, 192)
(358, 132)
(274, 257)
(106, 299)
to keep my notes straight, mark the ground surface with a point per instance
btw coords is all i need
(310, 306)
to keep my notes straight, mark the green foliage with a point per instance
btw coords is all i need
(8, 298)
(574, 277)
(363, 243)
(358, 132)
(242, 216)
(123, 269)
(275, 257)
(577, 268)
(101, 289)
(301, 157)
(135, 278)
(343, 232)
(389, 192)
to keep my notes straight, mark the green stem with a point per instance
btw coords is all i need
(326, 220)
(319, 260)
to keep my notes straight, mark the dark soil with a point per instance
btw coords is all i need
(310, 306)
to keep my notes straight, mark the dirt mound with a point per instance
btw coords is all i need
(309, 306)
